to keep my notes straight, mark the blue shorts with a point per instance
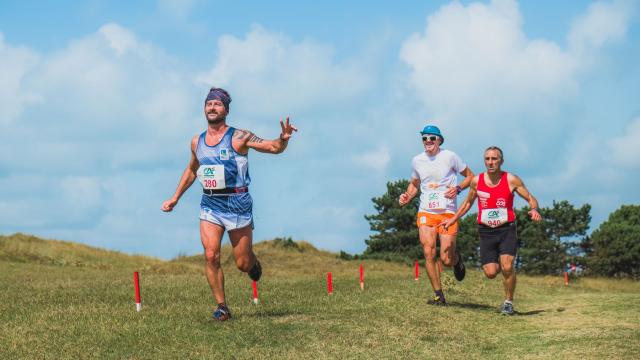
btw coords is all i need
(229, 211)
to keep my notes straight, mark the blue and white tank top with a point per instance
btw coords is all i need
(221, 167)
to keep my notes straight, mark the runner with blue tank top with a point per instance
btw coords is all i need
(219, 160)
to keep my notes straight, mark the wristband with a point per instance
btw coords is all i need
(458, 189)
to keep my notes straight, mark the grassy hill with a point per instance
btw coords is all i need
(65, 300)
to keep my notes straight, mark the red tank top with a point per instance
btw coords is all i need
(495, 204)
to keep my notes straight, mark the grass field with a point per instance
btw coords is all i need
(65, 300)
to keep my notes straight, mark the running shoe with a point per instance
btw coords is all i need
(256, 271)
(458, 269)
(507, 308)
(437, 300)
(222, 313)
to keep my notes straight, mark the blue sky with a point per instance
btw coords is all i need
(99, 99)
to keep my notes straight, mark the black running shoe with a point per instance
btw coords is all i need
(256, 271)
(437, 300)
(458, 269)
(222, 313)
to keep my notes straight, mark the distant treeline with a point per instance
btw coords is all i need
(545, 247)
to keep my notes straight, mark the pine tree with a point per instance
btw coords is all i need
(615, 246)
(396, 235)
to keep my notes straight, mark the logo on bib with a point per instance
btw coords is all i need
(493, 214)
(433, 196)
(209, 171)
(224, 154)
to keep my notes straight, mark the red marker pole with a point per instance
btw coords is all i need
(254, 284)
(417, 270)
(566, 278)
(361, 277)
(329, 284)
(136, 285)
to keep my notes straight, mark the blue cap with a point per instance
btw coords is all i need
(432, 130)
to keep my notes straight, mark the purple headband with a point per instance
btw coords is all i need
(219, 94)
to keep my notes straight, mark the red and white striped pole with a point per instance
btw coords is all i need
(361, 277)
(329, 284)
(254, 284)
(417, 270)
(136, 285)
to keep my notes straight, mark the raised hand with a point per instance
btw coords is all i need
(287, 129)
(404, 199)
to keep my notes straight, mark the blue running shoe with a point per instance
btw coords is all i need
(222, 313)
(507, 308)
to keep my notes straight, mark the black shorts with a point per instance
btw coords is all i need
(502, 240)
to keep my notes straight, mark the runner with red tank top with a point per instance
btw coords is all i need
(496, 220)
(495, 204)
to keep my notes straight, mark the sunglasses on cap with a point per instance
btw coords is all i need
(429, 138)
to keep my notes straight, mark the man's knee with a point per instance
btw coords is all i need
(491, 271)
(244, 263)
(507, 268)
(212, 258)
(429, 252)
(448, 258)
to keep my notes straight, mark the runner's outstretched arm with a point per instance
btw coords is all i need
(187, 179)
(518, 186)
(251, 141)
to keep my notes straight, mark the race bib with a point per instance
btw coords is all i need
(212, 177)
(436, 200)
(494, 217)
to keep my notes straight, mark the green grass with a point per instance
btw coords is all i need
(83, 307)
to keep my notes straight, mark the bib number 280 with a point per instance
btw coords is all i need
(211, 177)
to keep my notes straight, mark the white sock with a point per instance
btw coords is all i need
(508, 302)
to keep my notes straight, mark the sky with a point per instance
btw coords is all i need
(99, 100)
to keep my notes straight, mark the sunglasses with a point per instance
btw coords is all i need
(429, 138)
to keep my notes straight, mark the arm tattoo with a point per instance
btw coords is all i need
(241, 134)
(255, 139)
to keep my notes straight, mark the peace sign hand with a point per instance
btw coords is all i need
(287, 130)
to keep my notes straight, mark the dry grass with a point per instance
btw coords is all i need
(60, 309)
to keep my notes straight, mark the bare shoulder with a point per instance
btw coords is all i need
(194, 142)
(514, 180)
(242, 134)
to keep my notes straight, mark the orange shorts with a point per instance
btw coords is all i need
(434, 220)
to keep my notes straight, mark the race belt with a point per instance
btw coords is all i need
(238, 190)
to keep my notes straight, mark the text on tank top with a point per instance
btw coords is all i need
(495, 204)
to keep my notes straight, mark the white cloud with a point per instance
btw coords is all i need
(476, 60)
(272, 70)
(15, 63)
(377, 159)
(625, 149)
(603, 21)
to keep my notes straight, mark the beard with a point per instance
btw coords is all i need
(217, 120)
